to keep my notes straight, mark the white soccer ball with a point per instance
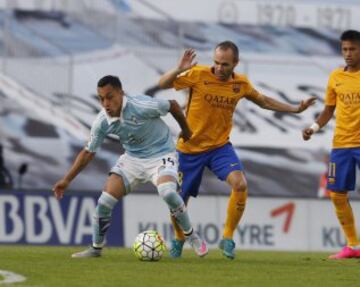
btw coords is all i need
(149, 246)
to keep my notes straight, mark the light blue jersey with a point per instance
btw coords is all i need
(139, 128)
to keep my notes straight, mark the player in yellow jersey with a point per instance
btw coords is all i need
(213, 95)
(343, 94)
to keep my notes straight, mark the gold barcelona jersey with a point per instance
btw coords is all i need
(210, 108)
(343, 91)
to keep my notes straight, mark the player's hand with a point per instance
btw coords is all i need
(59, 188)
(305, 104)
(186, 60)
(185, 134)
(307, 133)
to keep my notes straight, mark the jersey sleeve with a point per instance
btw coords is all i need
(97, 136)
(186, 79)
(149, 107)
(330, 96)
(249, 90)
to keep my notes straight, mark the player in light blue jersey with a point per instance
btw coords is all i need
(149, 156)
(140, 129)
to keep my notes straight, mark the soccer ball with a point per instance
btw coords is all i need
(149, 246)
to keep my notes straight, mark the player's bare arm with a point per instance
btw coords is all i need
(269, 103)
(186, 62)
(81, 161)
(178, 115)
(324, 117)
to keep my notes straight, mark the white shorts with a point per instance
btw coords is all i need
(135, 170)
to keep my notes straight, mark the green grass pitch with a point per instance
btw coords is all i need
(52, 266)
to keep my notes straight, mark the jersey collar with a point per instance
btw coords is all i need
(212, 69)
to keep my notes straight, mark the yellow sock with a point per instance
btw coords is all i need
(235, 210)
(179, 234)
(345, 216)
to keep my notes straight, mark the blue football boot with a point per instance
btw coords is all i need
(228, 248)
(176, 248)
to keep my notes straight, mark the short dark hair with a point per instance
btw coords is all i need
(350, 35)
(109, 80)
(229, 45)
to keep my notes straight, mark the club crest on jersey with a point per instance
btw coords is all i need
(236, 88)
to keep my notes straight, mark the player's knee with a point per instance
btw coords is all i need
(239, 186)
(339, 198)
(117, 185)
(168, 193)
(166, 188)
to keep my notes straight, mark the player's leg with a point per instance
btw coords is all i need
(114, 190)
(341, 177)
(167, 190)
(237, 202)
(177, 243)
(227, 166)
(166, 182)
(190, 168)
(116, 186)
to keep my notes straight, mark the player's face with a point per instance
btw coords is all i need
(351, 53)
(111, 99)
(224, 63)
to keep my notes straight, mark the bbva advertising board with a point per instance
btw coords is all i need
(39, 218)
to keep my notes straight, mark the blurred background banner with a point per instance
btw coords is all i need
(54, 52)
(38, 218)
(268, 224)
